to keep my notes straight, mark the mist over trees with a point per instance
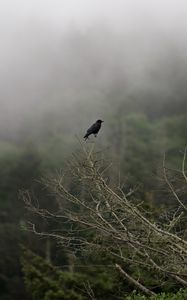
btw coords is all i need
(87, 71)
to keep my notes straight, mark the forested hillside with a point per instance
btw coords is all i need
(131, 140)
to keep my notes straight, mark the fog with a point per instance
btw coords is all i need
(69, 57)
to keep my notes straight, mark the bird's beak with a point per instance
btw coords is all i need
(102, 121)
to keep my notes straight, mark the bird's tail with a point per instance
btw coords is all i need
(86, 136)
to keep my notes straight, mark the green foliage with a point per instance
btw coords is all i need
(17, 169)
(44, 281)
(180, 295)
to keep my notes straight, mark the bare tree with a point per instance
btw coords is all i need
(121, 225)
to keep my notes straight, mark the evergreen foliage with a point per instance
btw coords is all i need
(44, 281)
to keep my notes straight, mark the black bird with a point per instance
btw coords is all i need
(94, 129)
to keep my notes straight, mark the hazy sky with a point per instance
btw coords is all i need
(19, 16)
(165, 13)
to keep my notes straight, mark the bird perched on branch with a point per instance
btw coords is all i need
(94, 129)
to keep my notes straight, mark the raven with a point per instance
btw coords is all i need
(94, 129)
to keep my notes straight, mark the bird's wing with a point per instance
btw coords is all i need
(92, 128)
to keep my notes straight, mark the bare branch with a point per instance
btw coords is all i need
(135, 282)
